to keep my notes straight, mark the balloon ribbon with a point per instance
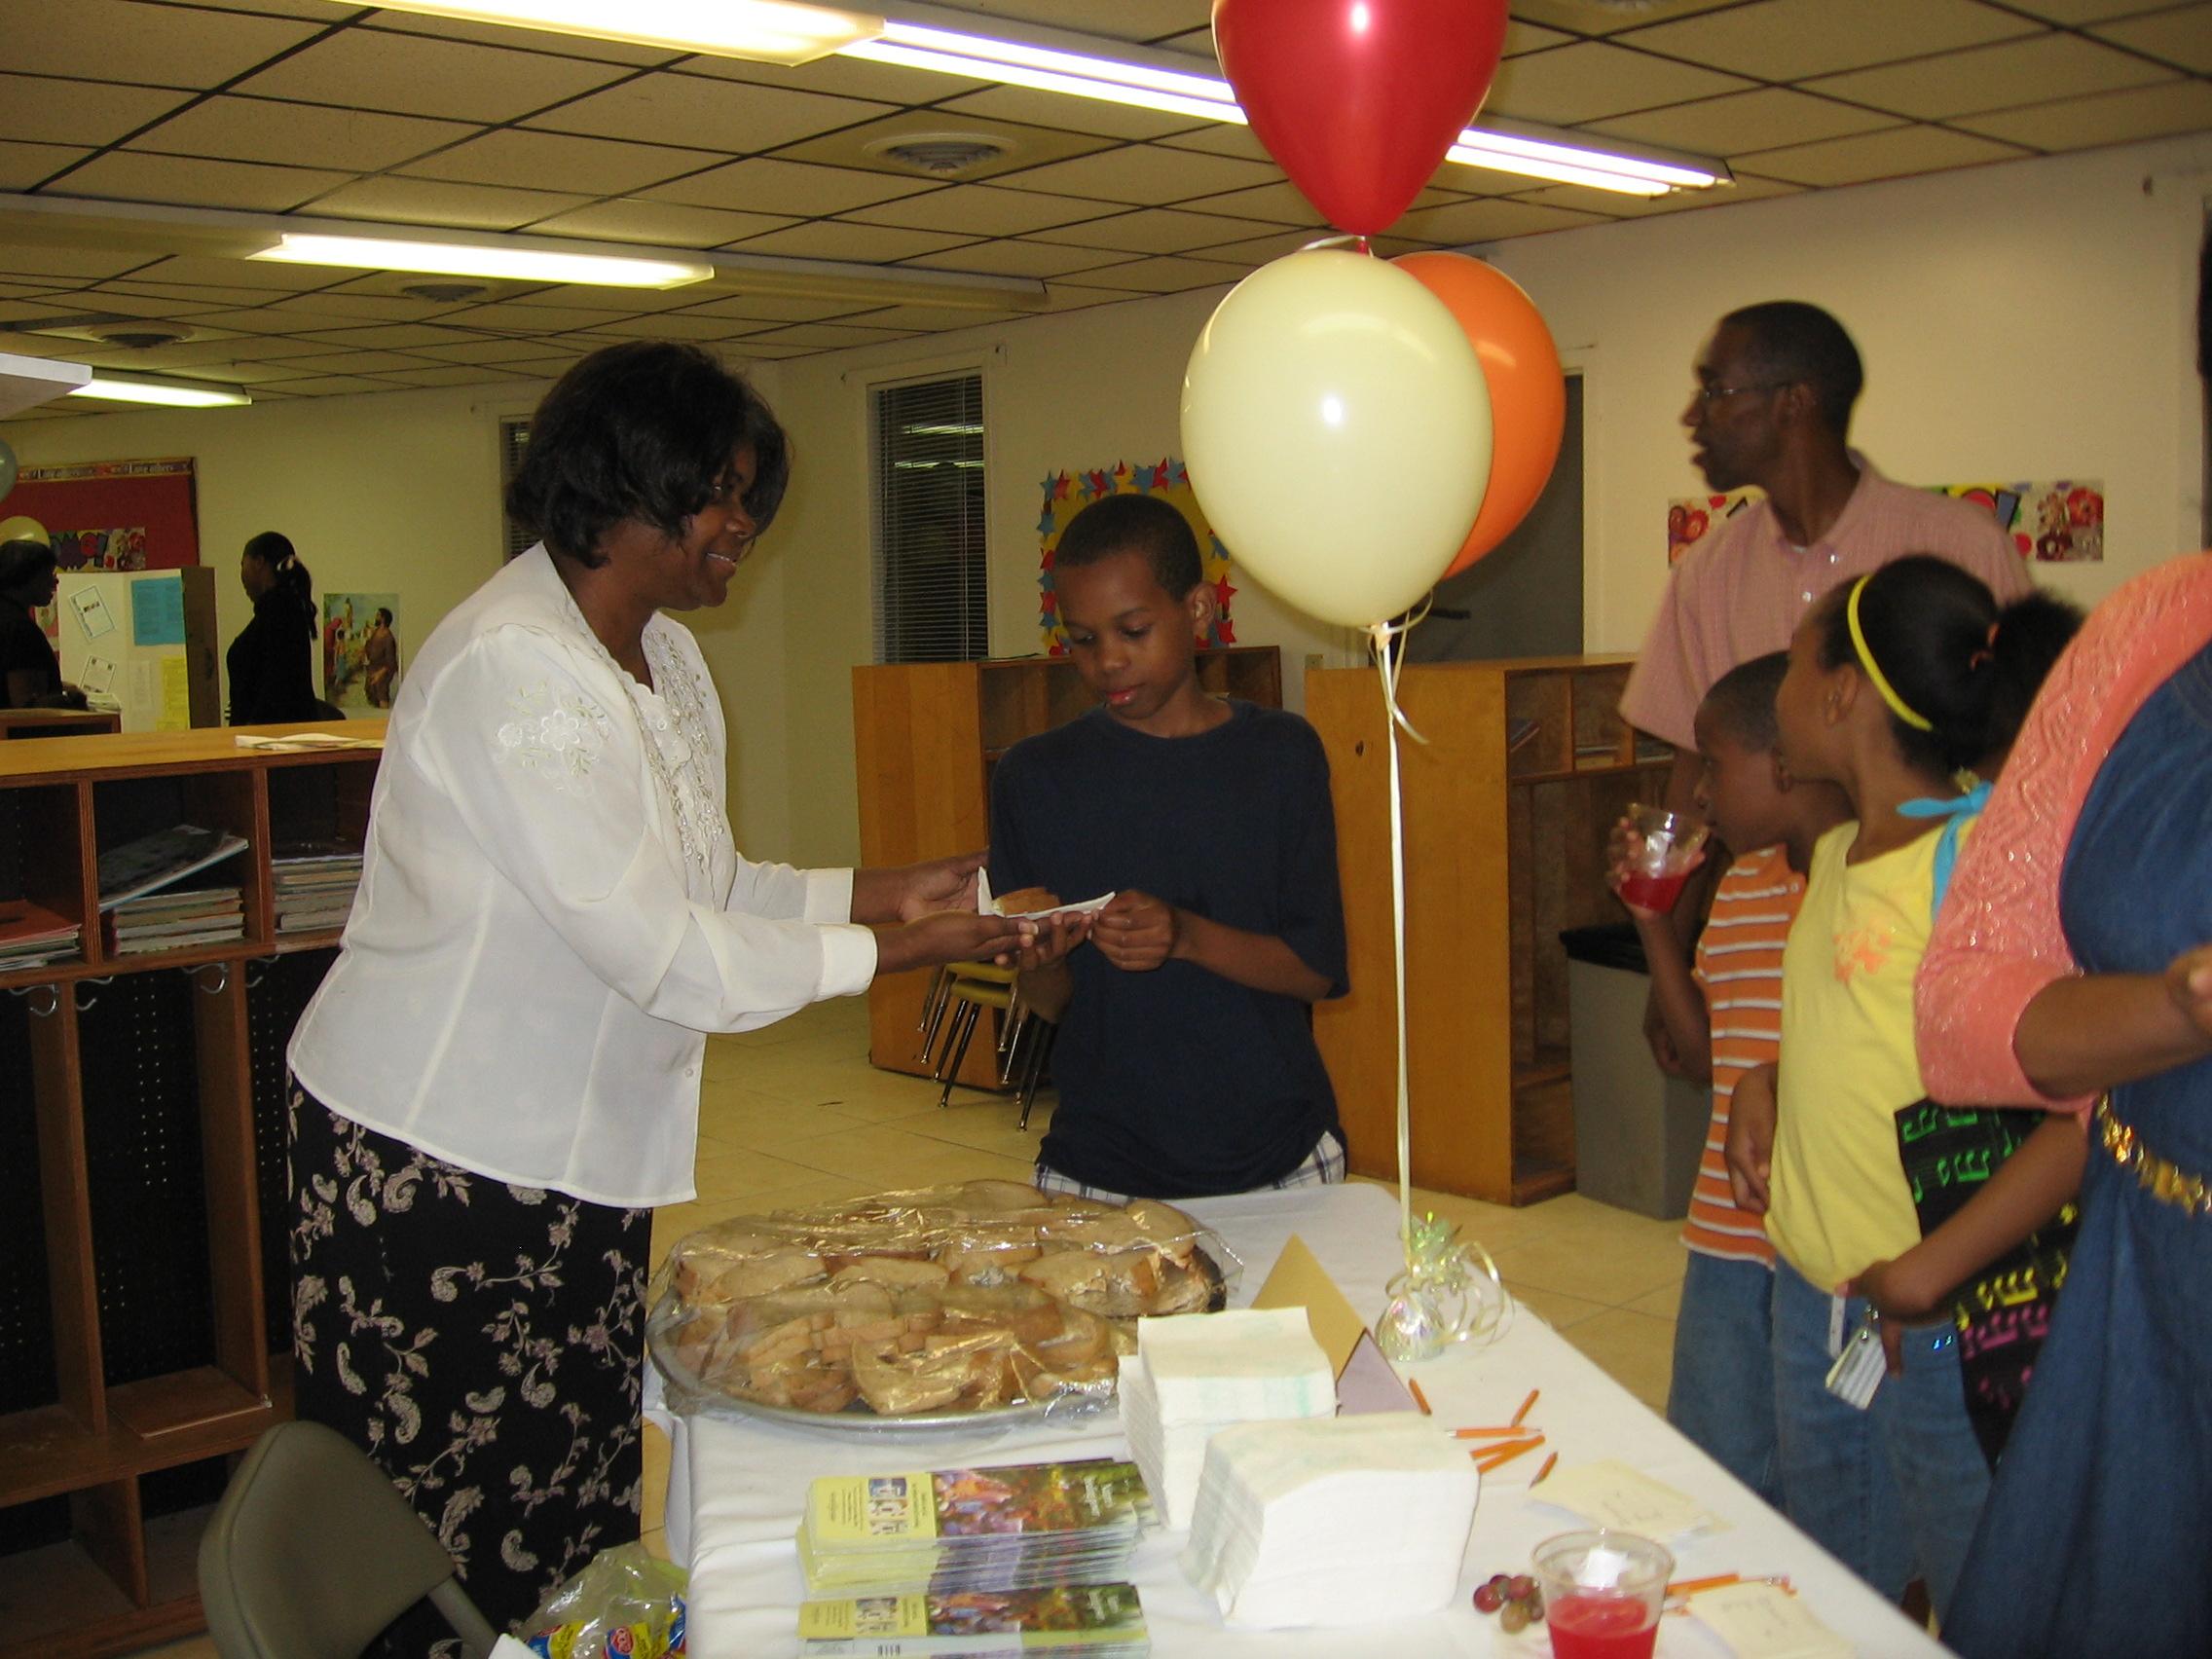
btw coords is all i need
(1384, 635)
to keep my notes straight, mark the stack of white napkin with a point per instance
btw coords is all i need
(1191, 1376)
(1339, 1521)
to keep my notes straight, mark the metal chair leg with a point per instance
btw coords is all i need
(970, 1012)
(1040, 1047)
(1018, 1019)
(933, 1010)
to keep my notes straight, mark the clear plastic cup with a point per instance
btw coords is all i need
(1603, 1592)
(1666, 847)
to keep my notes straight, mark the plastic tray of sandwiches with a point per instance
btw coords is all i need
(924, 1308)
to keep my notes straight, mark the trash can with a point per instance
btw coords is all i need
(1637, 1132)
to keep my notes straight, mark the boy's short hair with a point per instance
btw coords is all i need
(1134, 524)
(1742, 701)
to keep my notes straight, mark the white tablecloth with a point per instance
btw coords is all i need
(737, 1485)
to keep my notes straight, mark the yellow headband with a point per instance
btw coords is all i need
(1897, 704)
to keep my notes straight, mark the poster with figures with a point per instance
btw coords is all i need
(2061, 522)
(1067, 494)
(360, 650)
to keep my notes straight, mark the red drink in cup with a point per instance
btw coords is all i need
(1603, 1592)
(1652, 892)
(1664, 849)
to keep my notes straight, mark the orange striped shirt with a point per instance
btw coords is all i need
(1739, 963)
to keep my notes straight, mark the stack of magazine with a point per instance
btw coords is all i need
(146, 909)
(1082, 1621)
(31, 937)
(314, 890)
(1021, 1527)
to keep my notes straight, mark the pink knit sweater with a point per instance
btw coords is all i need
(1998, 941)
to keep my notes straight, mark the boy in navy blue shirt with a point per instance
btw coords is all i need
(1184, 1059)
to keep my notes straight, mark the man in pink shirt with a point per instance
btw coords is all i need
(1775, 387)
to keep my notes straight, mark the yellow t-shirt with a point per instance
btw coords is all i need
(1837, 1199)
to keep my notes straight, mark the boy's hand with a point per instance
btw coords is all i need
(1136, 931)
(1622, 850)
(1056, 936)
(2189, 981)
(1898, 1296)
(1750, 1139)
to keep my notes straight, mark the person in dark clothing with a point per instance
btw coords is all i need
(271, 663)
(30, 673)
(1185, 1058)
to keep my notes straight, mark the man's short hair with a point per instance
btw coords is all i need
(1741, 702)
(1134, 524)
(23, 559)
(1792, 341)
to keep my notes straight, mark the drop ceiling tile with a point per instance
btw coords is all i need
(834, 239)
(1060, 297)
(776, 307)
(156, 46)
(761, 185)
(134, 175)
(357, 363)
(415, 75)
(1117, 19)
(1278, 204)
(527, 40)
(2115, 118)
(387, 293)
(512, 317)
(1746, 188)
(1522, 37)
(1222, 139)
(453, 375)
(333, 386)
(826, 334)
(865, 148)
(1487, 221)
(663, 224)
(591, 297)
(1594, 18)
(1078, 115)
(978, 210)
(1145, 174)
(932, 319)
(35, 311)
(328, 310)
(591, 166)
(22, 165)
(473, 353)
(1891, 154)
(129, 302)
(726, 117)
(2082, 11)
(248, 374)
(2037, 69)
(689, 328)
(294, 135)
(1258, 250)
(1738, 122)
(1164, 275)
(1787, 40)
(433, 202)
(2183, 36)
(1017, 259)
(843, 77)
(207, 272)
(389, 336)
(1590, 80)
(48, 111)
(1150, 230)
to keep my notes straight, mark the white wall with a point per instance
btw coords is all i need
(2028, 320)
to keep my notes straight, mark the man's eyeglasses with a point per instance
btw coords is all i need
(1709, 395)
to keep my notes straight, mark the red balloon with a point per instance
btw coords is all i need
(1527, 389)
(1357, 100)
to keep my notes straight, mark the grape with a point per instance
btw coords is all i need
(1489, 1599)
(1520, 1587)
(1514, 1617)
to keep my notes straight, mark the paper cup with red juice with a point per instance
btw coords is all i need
(1603, 1592)
(1664, 849)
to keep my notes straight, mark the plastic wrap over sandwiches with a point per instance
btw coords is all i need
(979, 1296)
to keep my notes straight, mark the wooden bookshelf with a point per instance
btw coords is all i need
(926, 736)
(144, 1302)
(1507, 810)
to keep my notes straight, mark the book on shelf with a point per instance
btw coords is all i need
(1083, 1621)
(180, 942)
(160, 860)
(35, 938)
(1025, 1525)
(304, 742)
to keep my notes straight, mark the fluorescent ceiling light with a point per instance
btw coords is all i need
(1206, 97)
(766, 31)
(486, 259)
(173, 396)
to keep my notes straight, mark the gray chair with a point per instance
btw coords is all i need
(313, 1552)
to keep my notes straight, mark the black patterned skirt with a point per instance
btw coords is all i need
(483, 1342)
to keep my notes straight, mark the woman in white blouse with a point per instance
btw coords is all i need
(500, 1077)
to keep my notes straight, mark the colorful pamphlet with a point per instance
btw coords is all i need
(1089, 1621)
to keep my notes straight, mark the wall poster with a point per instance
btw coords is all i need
(2058, 522)
(114, 515)
(1067, 494)
(360, 650)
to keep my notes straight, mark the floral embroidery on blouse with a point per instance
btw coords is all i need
(557, 737)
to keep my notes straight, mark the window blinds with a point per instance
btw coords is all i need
(931, 593)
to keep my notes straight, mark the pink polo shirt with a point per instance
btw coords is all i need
(1741, 592)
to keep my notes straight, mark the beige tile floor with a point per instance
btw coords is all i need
(795, 1115)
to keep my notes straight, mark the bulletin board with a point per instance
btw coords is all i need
(114, 515)
(2053, 522)
(1067, 494)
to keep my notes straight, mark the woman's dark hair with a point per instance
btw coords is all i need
(25, 561)
(643, 430)
(1953, 657)
(274, 548)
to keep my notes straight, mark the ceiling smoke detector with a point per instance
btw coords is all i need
(941, 155)
(140, 334)
(445, 293)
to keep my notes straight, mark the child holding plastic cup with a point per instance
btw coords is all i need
(1897, 685)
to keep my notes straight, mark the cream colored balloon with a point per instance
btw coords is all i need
(20, 529)
(1336, 429)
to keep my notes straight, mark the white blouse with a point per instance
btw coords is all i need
(552, 910)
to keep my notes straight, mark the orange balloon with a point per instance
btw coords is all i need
(1527, 391)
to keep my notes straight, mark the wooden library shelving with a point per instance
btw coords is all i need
(144, 1318)
(926, 736)
(1508, 806)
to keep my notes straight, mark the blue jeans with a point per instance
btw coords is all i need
(1890, 1488)
(1722, 1392)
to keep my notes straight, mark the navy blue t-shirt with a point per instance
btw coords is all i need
(1178, 1082)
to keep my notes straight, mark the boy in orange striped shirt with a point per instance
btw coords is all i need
(1725, 1018)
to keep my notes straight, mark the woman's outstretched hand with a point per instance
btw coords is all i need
(948, 935)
